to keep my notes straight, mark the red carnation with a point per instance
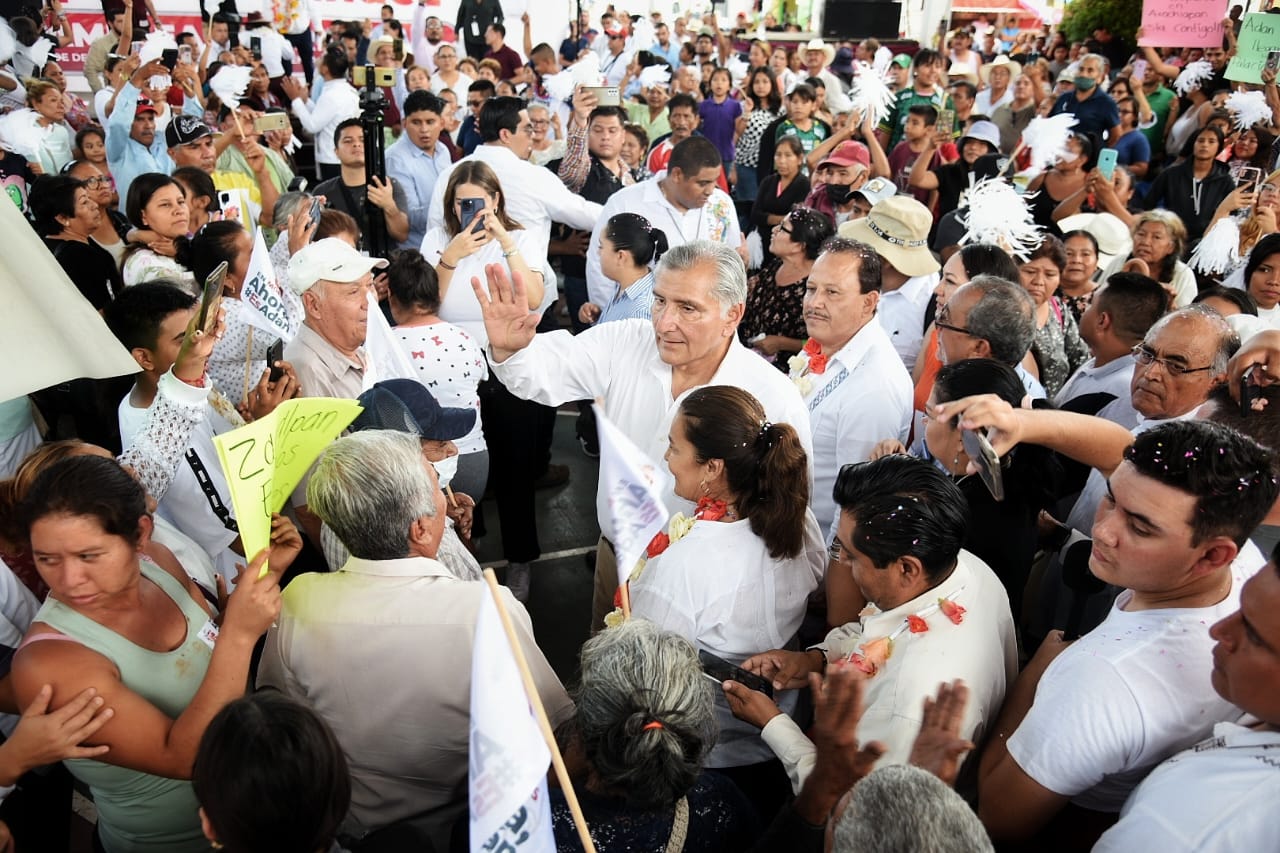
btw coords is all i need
(917, 624)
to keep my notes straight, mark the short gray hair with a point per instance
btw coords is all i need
(1228, 340)
(370, 487)
(899, 808)
(632, 676)
(1003, 316)
(287, 205)
(731, 276)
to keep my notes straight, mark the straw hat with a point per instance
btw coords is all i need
(898, 229)
(1001, 61)
(819, 44)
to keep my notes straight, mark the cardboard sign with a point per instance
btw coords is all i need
(1181, 23)
(1259, 34)
(264, 461)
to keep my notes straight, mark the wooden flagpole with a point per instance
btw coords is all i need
(540, 713)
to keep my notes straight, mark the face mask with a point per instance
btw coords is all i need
(446, 469)
(1084, 84)
(839, 194)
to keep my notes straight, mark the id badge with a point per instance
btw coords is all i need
(475, 29)
(209, 634)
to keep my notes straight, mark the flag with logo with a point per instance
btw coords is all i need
(261, 294)
(633, 486)
(510, 809)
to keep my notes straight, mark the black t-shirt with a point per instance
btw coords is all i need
(353, 200)
(91, 269)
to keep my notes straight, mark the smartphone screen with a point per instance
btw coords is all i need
(1107, 162)
(946, 122)
(1273, 60)
(470, 207)
(169, 58)
(255, 46)
(316, 209)
(1139, 69)
(397, 47)
(1249, 177)
(184, 54)
(720, 670)
(211, 298)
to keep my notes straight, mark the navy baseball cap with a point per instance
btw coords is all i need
(405, 405)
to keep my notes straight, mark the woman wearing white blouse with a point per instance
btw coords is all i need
(739, 578)
(478, 232)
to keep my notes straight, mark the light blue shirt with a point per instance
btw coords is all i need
(129, 158)
(417, 171)
(634, 303)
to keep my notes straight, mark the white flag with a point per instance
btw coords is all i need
(634, 487)
(386, 358)
(261, 293)
(510, 809)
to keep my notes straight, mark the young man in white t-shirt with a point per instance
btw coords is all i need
(1086, 721)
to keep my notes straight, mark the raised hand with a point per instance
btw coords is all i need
(938, 746)
(508, 321)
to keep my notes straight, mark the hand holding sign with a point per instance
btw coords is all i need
(264, 461)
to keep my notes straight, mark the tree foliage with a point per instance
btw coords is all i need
(1121, 17)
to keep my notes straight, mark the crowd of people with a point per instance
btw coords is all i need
(973, 453)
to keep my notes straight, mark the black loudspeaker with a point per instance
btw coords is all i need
(859, 19)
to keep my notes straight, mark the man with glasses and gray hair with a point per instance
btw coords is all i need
(640, 368)
(342, 639)
(989, 317)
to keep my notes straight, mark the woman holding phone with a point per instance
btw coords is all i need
(478, 232)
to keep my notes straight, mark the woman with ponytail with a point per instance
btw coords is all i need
(630, 247)
(738, 579)
(643, 726)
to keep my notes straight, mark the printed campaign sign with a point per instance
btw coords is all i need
(1259, 34)
(261, 294)
(634, 487)
(264, 461)
(1181, 23)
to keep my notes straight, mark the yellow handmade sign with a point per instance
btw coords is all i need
(266, 460)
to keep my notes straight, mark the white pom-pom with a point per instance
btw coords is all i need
(21, 134)
(737, 69)
(230, 83)
(38, 53)
(586, 71)
(1046, 139)
(654, 75)
(870, 96)
(1193, 76)
(8, 42)
(559, 87)
(155, 45)
(1248, 109)
(1219, 249)
(998, 214)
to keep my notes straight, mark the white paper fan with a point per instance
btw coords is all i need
(586, 71)
(230, 83)
(655, 75)
(20, 133)
(1046, 139)
(870, 96)
(1248, 109)
(156, 44)
(1193, 76)
(737, 68)
(1219, 250)
(559, 87)
(998, 214)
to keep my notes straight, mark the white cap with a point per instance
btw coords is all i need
(877, 190)
(1107, 229)
(330, 259)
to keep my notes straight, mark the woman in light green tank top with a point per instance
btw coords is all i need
(144, 638)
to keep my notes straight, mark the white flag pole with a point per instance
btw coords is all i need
(540, 714)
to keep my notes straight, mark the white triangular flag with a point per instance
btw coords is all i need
(507, 776)
(634, 488)
(386, 359)
(263, 299)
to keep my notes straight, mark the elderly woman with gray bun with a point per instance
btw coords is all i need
(643, 726)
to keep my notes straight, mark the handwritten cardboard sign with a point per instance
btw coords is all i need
(1181, 23)
(265, 460)
(1259, 34)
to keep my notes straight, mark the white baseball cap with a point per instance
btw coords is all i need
(330, 259)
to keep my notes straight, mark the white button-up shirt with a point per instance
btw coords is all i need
(417, 171)
(901, 314)
(717, 221)
(981, 650)
(338, 102)
(863, 397)
(382, 651)
(619, 362)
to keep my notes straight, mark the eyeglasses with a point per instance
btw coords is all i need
(782, 226)
(941, 322)
(539, 122)
(1145, 356)
(95, 182)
